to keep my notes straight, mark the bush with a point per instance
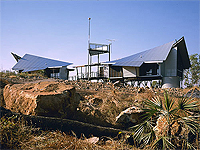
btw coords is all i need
(7, 73)
(13, 132)
(166, 126)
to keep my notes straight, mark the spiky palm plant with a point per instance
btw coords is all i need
(166, 125)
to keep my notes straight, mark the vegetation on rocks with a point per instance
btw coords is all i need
(167, 125)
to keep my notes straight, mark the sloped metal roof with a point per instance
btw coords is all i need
(157, 54)
(32, 63)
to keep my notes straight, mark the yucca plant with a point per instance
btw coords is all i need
(166, 125)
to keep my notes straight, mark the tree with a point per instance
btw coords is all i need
(192, 75)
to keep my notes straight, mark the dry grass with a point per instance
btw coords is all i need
(15, 134)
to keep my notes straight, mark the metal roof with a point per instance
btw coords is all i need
(157, 54)
(32, 63)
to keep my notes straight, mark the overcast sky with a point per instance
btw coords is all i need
(58, 29)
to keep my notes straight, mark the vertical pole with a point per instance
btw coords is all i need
(81, 73)
(89, 69)
(77, 73)
(86, 71)
(109, 52)
(98, 72)
(90, 65)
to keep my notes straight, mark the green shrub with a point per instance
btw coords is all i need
(177, 126)
(7, 73)
(154, 83)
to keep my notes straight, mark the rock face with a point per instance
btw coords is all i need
(89, 111)
(45, 98)
(141, 90)
(3, 83)
(161, 128)
(130, 116)
(195, 92)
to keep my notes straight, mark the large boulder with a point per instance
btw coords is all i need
(45, 98)
(90, 111)
(130, 116)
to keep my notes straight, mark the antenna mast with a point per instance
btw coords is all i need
(89, 69)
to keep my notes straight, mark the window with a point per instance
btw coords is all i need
(149, 69)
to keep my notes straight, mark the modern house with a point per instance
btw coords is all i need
(52, 68)
(165, 63)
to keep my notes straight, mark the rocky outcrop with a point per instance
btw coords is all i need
(89, 110)
(3, 83)
(43, 98)
(130, 116)
(162, 128)
(195, 93)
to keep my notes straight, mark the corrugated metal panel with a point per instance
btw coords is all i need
(129, 63)
(32, 63)
(159, 53)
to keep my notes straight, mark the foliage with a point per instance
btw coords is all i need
(166, 125)
(192, 75)
(154, 83)
(13, 74)
(7, 73)
(13, 132)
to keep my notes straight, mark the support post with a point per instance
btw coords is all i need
(109, 52)
(81, 73)
(77, 73)
(88, 65)
(89, 50)
(98, 72)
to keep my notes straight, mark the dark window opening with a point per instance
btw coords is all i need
(179, 65)
(115, 71)
(101, 72)
(149, 69)
(52, 72)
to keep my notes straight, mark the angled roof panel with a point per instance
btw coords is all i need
(32, 63)
(181, 45)
(159, 53)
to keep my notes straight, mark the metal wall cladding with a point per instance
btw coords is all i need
(32, 63)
